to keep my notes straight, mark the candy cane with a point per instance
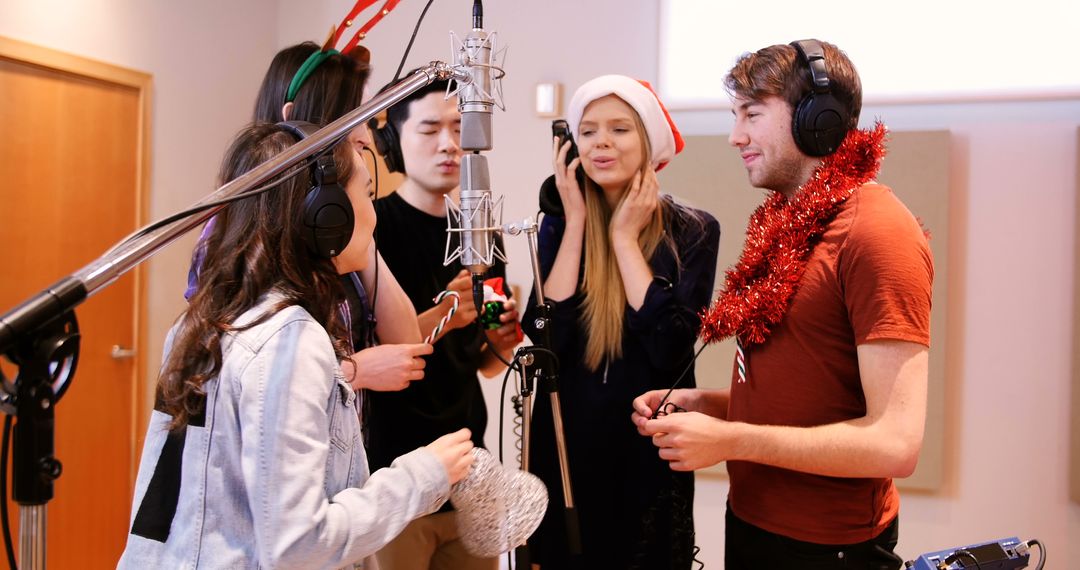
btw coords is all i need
(740, 360)
(446, 318)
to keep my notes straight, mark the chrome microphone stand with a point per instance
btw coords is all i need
(538, 361)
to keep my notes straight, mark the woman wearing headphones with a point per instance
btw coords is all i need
(627, 270)
(253, 455)
(319, 86)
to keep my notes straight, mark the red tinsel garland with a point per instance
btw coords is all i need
(779, 238)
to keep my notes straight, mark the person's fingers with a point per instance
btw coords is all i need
(460, 285)
(463, 463)
(574, 164)
(510, 317)
(659, 425)
(419, 349)
(647, 400)
(558, 153)
(460, 281)
(650, 181)
(563, 150)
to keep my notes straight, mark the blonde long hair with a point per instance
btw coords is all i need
(605, 297)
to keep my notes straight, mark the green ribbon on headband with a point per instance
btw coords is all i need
(313, 61)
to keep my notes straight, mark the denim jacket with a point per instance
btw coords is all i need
(273, 473)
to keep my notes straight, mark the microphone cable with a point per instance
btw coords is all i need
(1042, 551)
(408, 48)
(502, 400)
(663, 401)
(397, 75)
(4, 452)
(518, 425)
(515, 366)
(375, 243)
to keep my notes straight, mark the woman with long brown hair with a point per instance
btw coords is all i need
(627, 270)
(253, 456)
(307, 83)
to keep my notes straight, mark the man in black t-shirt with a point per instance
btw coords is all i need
(411, 236)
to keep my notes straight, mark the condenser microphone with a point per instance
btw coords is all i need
(476, 106)
(476, 102)
(477, 223)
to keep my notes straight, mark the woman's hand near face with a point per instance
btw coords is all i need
(566, 180)
(562, 281)
(637, 209)
(628, 221)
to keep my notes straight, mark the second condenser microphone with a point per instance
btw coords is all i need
(477, 238)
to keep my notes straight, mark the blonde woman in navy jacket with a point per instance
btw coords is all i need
(627, 271)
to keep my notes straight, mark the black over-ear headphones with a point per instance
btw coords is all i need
(328, 213)
(388, 143)
(819, 122)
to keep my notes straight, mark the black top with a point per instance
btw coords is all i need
(635, 512)
(448, 398)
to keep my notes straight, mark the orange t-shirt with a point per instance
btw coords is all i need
(869, 278)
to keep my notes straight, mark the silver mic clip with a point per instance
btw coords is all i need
(471, 54)
(486, 217)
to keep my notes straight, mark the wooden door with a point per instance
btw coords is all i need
(72, 183)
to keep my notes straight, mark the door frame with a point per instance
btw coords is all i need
(38, 56)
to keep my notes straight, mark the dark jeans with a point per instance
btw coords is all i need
(748, 547)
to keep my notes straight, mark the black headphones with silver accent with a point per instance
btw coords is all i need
(388, 143)
(328, 213)
(819, 122)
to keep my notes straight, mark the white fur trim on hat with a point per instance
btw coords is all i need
(640, 98)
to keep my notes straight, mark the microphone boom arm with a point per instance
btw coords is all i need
(72, 290)
(40, 335)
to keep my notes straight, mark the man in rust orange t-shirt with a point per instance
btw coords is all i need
(830, 305)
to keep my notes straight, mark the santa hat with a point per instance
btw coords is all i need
(664, 137)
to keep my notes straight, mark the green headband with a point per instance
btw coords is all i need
(305, 71)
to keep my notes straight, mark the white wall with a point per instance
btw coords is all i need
(1014, 173)
(921, 71)
(1015, 186)
(206, 69)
